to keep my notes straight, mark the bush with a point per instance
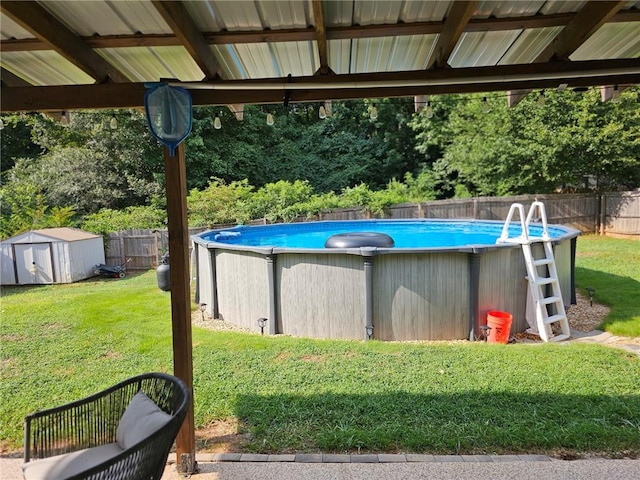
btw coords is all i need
(280, 201)
(107, 220)
(219, 203)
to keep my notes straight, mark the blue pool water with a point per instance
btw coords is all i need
(406, 233)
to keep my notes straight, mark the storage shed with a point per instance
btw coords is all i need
(51, 255)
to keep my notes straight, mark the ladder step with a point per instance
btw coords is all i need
(543, 261)
(545, 281)
(550, 300)
(559, 338)
(555, 318)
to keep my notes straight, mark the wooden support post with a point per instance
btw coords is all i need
(176, 181)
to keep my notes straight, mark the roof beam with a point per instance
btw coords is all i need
(454, 25)
(334, 87)
(12, 80)
(237, 110)
(309, 34)
(321, 36)
(584, 24)
(179, 20)
(35, 19)
(608, 92)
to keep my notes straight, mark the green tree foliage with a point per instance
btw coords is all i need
(16, 141)
(77, 177)
(88, 165)
(343, 150)
(23, 208)
(531, 147)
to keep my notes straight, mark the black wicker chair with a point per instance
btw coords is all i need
(90, 424)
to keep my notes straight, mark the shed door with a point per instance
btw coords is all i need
(33, 262)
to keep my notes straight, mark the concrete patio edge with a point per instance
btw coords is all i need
(362, 458)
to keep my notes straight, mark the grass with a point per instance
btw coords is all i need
(612, 267)
(62, 342)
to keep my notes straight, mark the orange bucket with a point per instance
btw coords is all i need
(500, 323)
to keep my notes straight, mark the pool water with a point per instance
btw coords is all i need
(405, 233)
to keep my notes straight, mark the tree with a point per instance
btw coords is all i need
(23, 208)
(16, 141)
(533, 148)
(87, 165)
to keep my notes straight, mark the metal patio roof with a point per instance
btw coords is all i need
(98, 54)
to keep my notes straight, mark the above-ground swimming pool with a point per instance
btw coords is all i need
(437, 282)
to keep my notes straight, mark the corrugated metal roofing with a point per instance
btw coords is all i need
(10, 29)
(88, 18)
(52, 68)
(619, 40)
(391, 54)
(529, 44)
(143, 64)
(380, 52)
(500, 9)
(250, 16)
(479, 49)
(377, 13)
(562, 6)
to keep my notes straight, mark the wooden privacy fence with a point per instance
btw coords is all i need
(143, 248)
(616, 214)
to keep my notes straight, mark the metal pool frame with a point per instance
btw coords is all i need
(361, 293)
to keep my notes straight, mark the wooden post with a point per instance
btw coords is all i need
(176, 184)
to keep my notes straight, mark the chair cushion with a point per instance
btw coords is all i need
(69, 464)
(141, 418)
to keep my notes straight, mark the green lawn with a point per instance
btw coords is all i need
(612, 267)
(62, 342)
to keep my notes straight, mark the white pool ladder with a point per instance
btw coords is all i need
(538, 282)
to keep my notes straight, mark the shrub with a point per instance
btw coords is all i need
(219, 203)
(107, 220)
(282, 200)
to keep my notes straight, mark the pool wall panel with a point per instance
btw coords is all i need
(320, 295)
(421, 296)
(205, 277)
(243, 287)
(503, 285)
(562, 254)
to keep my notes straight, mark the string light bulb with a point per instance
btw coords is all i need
(486, 108)
(322, 112)
(541, 99)
(429, 110)
(217, 123)
(270, 120)
(373, 113)
(113, 123)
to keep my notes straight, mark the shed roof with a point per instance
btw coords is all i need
(242, 51)
(62, 234)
